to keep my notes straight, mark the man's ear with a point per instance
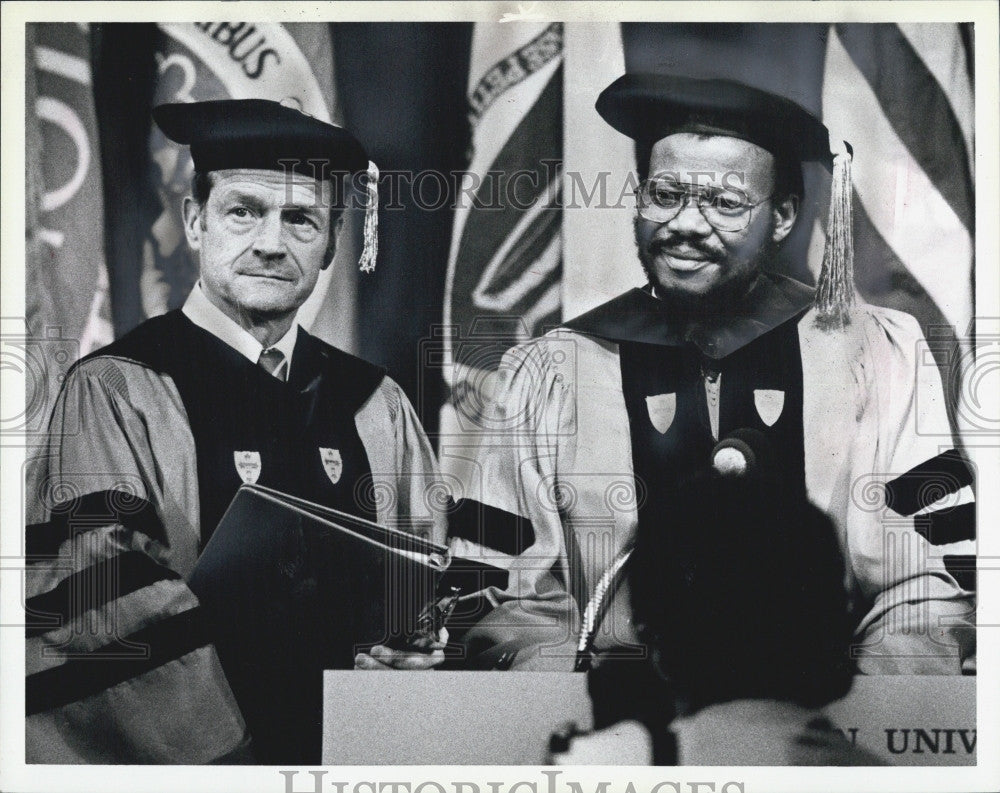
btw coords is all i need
(192, 222)
(785, 213)
(331, 245)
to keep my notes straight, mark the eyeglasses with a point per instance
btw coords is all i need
(725, 209)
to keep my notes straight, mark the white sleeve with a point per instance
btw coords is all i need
(919, 620)
(535, 619)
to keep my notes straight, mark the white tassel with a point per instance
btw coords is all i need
(835, 289)
(370, 250)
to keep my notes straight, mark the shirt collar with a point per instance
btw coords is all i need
(203, 313)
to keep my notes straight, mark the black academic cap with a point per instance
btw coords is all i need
(648, 106)
(258, 133)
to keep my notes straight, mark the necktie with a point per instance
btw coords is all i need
(273, 362)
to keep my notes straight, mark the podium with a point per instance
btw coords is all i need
(505, 718)
(447, 718)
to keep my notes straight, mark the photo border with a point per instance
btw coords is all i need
(15, 776)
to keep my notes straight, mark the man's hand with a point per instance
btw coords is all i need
(422, 653)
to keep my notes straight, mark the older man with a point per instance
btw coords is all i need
(593, 420)
(153, 435)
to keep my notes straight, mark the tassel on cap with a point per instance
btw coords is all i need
(835, 290)
(370, 250)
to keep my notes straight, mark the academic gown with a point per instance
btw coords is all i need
(590, 419)
(147, 444)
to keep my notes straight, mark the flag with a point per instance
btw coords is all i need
(600, 261)
(503, 282)
(904, 95)
(67, 309)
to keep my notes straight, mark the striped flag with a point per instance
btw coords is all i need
(904, 95)
(505, 266)
(67, 278)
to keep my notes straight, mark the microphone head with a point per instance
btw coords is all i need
(732, 460)
(742, 453)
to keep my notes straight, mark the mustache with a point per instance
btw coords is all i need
(676, 242)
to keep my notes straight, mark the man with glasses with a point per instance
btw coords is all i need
(720, 360)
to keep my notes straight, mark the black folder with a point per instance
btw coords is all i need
(291, 588)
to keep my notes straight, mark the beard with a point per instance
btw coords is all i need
(723, 297)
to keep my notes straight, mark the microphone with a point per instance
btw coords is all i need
(744, 453)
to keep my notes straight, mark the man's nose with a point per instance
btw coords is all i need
(270, 242)
(690, 220)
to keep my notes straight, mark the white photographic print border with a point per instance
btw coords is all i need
(16, 776)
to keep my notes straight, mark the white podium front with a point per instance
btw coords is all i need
(505, 718)
(911, 720)
(447, 718)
